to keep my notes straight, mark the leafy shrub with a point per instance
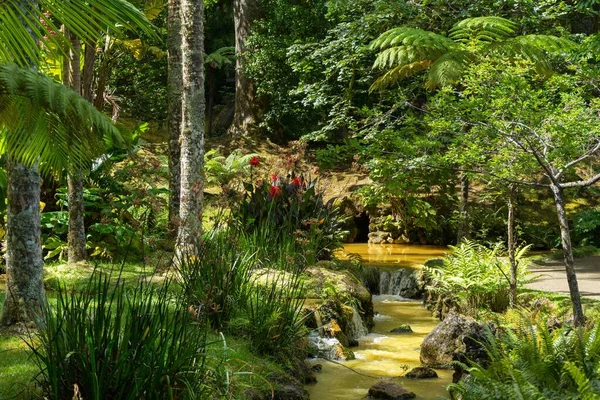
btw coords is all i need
(290, 207)
(586, 227)
(111, 343)
(215, 280)
(532, 362)
(476, 276)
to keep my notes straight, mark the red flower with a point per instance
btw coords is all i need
(254, 161)
(274, 192)
(297, 181)
(274, 178)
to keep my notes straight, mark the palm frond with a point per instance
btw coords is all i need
(484, 29)
(23, 27)
(45, 122)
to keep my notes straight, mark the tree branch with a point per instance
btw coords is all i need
(587, 182)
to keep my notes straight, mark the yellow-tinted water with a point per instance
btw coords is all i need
(400, 254)
(381, 353)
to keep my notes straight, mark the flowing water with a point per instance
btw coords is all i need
(381, 353)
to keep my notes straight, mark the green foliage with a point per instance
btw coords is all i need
(533, 362)
(475, 276)
(221, 170)
(406, 51)
(62, 129)
(586, 227)
(111, 343)
(290, 207)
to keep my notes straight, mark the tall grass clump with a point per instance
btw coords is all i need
(533, 362)
(474, 276)
(108, 341)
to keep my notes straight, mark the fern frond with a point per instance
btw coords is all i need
(393, 76)
(23, 25)
(448, 69)
(43, 121)
(482, 29)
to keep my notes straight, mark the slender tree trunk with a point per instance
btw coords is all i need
(76, 237)
(565, 236)
(245, 115)
(24, 265)
(512, 244)
(192, 126)
(87, 76)
(464, 230)
(174, 87)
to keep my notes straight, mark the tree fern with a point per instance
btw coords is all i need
(21, 28)
(404, 52)
(46, 122)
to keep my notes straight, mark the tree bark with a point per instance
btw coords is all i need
(192, 126)
(174, 87)
(512, 244)
(463, 218)
(578, 316)
(24, 265)
(245, 116)
(25, 295)
(76, 236)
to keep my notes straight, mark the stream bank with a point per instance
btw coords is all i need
(382, 354)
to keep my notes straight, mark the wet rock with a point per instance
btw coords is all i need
(404, 328)
(353, 343)
(341, 353)
(333, 330)
(421, 373)
(451, 338)
(379, 237)
(329, 348)
(285, 387)
(316, 367)
(388, 390)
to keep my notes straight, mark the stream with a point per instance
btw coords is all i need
(380, 353)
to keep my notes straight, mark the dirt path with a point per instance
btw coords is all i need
(553, 277)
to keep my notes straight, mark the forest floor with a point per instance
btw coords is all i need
(552, 276)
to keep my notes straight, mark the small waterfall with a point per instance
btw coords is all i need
(399, 282)
(356, 327)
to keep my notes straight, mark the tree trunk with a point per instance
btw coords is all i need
(565, 236)
(245, 116)
(24, 265)
(174, 87)
(464, 230)
(76, 236)
(512, 244)
(192, 126)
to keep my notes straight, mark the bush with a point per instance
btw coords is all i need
(475, 276)
(106, 342)
(290, 207)
(532, 362)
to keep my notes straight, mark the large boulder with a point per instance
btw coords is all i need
(455, 338)
(388, 390)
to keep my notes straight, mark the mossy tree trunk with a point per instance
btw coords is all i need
(76, 237)
(24, 263)
(463, 216)
(174, 87)
(246, 106)
(192, 126)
